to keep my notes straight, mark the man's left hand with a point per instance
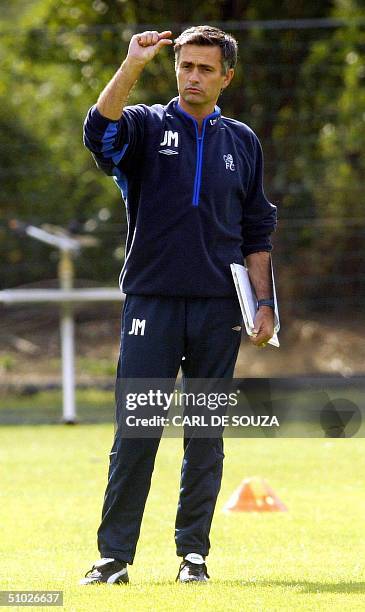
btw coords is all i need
(264, 326)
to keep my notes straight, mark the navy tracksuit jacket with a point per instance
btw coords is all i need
(195, 204)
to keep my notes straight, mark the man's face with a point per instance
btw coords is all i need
(199, 74)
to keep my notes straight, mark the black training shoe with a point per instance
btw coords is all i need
(110, 571)
(192, 572)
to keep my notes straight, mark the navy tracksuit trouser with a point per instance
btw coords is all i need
(201, 330)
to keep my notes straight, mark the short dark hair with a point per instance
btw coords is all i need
(209, 36)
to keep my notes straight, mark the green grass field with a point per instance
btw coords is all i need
(311, 558)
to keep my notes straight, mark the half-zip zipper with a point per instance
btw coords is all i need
(199, 153)
(199, 162)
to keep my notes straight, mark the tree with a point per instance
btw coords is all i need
(329, 164)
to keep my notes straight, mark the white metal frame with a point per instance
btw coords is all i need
(66, 298)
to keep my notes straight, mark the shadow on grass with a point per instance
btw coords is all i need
(305, 586)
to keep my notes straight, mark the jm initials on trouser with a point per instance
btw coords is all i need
(156, 333)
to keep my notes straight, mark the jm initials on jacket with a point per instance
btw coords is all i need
(195, 202)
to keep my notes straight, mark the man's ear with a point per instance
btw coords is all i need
(228, 78)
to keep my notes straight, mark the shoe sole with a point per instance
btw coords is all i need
(84, 582)
(192, 581)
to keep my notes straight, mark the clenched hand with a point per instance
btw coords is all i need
(264, 326)
(143, 47)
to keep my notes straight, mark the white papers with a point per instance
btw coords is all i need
(248, 300)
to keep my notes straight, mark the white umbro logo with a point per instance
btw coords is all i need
(138, 326)
(237, 328)
(169, 152)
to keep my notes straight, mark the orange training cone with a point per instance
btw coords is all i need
(254, 495)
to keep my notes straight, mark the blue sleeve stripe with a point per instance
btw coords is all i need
(109, 137)
(121, 181)
(119, 155)
(108, 141)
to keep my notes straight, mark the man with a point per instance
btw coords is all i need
(192, 184)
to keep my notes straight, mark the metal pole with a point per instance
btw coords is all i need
(66, 274)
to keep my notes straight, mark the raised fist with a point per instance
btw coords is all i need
(143, 47)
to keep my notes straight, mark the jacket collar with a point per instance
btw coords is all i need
(210, 122)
